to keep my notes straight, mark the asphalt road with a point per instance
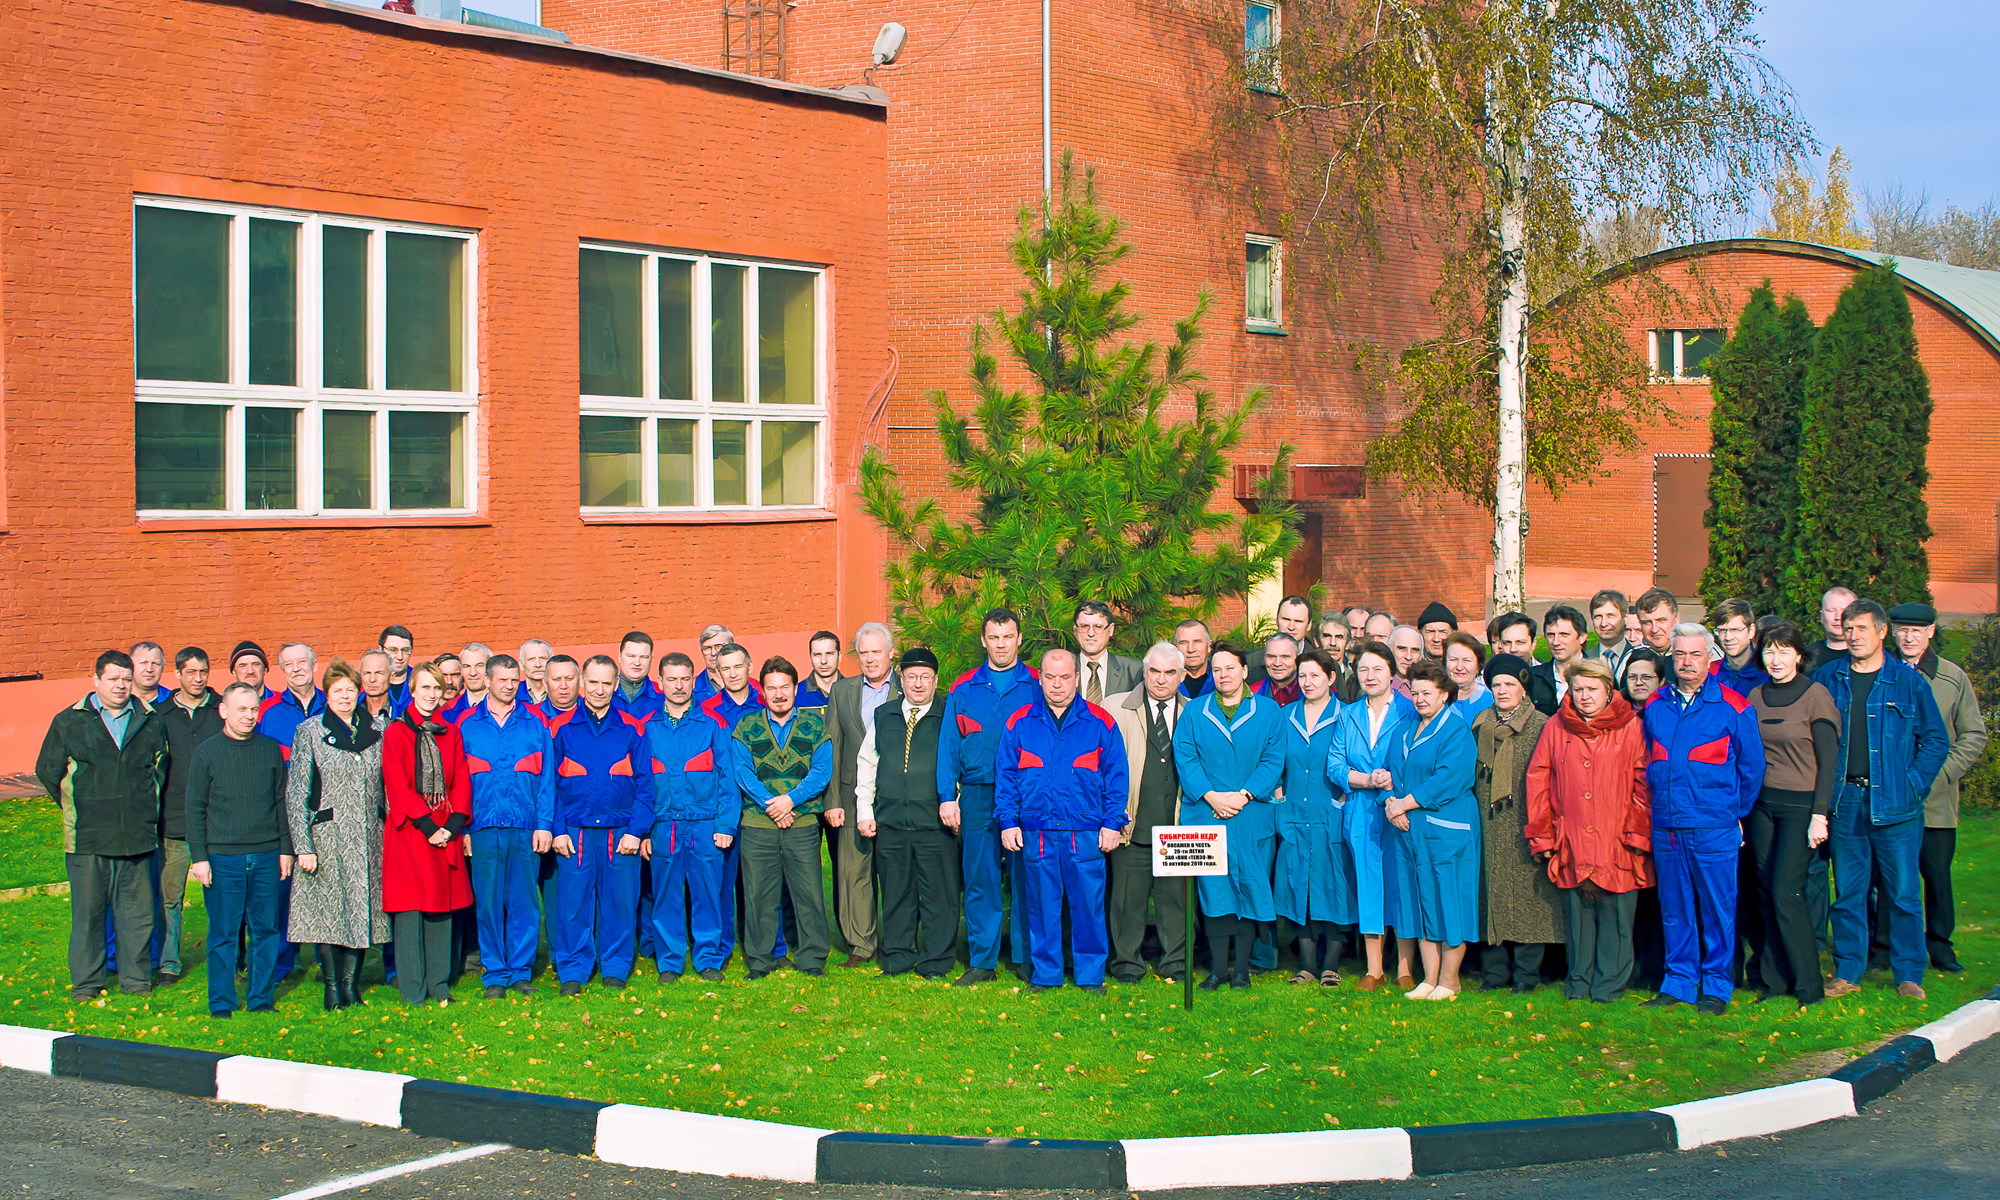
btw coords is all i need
(1935, 1137)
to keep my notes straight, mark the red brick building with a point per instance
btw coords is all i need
(302, 305)
(1128, 91)
(1641, 523)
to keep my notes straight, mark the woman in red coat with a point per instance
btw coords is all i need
(1590, 817)
(424, 878)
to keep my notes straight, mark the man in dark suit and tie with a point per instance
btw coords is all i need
(1146, 717)
(1100, 673)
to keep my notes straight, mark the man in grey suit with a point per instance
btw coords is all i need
(1100, 673)
(850, 719)
(1146, 716)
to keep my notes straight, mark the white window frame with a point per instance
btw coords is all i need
(1270, 76)
(308, 397)
(1275, 323)
(651, 408)
(1679, 374)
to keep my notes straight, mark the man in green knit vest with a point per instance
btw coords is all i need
(783, 766)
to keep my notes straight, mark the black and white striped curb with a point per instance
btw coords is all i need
(666, 1139)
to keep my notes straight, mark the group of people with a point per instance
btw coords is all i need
(1657, 801)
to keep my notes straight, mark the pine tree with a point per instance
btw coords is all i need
(1862, 519)
(1758, 381)
(1081, 487)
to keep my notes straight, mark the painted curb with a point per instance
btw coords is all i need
(974, 1164)
(666, 1139)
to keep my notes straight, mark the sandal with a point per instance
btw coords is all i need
(1329, 979)
(1302, 977)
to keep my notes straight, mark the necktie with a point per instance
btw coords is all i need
(1157, 735)
(1095, 692)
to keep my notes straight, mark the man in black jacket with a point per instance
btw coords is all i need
(102, 762)
(896, 804)
(241, 845)
(192, 714)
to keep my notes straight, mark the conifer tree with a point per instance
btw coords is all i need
(1862, 519)
(1082, 486)
(1758, 381)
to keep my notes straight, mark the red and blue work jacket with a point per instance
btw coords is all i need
(974, 715)
(513, 769)
(551, 717)
(645, 706)
(1067, 774)
(1707, 763)
(691, 770)
(282, 714)
(604, 773)
(725, 711)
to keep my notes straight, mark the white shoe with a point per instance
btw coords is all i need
(1422, 991)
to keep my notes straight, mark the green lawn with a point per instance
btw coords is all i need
(854, 1051)
(30, 842)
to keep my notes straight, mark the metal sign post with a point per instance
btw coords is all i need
(1190, 850)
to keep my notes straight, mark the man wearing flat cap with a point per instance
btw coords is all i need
(1435, 624)
(896, 805)
(1914, 628)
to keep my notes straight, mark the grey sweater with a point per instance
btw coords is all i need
(236, 798)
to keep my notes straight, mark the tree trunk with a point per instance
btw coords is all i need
(1510, 582)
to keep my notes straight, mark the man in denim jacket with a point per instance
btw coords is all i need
(1892, 743)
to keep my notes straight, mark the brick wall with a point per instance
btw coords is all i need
(546, 143)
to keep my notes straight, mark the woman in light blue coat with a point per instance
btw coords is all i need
(1229, 748)
(1432, 768)
(1359, 761)
(1315, 887)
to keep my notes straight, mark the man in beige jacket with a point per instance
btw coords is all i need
(1146, 716)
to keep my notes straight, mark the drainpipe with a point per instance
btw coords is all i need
(1048, 177)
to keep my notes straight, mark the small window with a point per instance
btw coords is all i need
(1263, 283)
(1683, 354)
(1260, 46)
(251, 403)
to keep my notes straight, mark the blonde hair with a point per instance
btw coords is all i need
(1595, 668)
(431, 669)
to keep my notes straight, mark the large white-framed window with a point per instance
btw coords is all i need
(701, 382)
(1260, 45)
(1681, 355)
(1263, 284)
(301, 364)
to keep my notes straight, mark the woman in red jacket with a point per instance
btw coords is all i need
(1590, 818)
(424, 878)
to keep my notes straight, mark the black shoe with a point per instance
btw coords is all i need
(1804, 1003)
(521, 987)
(1662, 1001)
(930, 975)
(1210, 984)
(169, 979)
(1097, 989)
(756, 975)
(669, 978)
(616, 985)
(1522, 989)
(1711, 1006)
(1043, 987)
(1241, 981)
(813, 972)
(1595, 1000)
(1954, 967)
(222, 1014)
(712, 975)
(572, 988)
(494, 992)
(975, 975)
(784, 964)
(1763, 995)
(264, 1008)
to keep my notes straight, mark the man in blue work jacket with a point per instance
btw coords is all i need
(603, 811)
(511, 759)
(695, 815)
(1892, 743)
(636, 693)
(1706, 770)
(1060, 800)
(974, 713)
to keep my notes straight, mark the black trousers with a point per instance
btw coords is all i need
(1649, 940)
(1517, 963)
(121, 884)
(1132, 885)
(1940, 908)
(920, 894)
(424, 952)
(1600, 942)
(1751, 934)
(1787, 956)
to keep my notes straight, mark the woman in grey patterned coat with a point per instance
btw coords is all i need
(334, 802)
(1523, 912)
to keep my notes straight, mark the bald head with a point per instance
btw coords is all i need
(1059, 678)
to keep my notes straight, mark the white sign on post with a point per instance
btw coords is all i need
(1190, 850)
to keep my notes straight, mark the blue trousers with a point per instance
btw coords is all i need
(597, 897)
(1861, 850)
(688, 896)
(1697, 869)
(245, 892)
(503, 870)
(1065, 864)
(982, 860)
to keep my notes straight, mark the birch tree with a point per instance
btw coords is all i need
(1504, 131)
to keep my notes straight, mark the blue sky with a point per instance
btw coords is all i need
(1906, 87)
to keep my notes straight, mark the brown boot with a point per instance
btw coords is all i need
(1910, 991)
(1838, 987)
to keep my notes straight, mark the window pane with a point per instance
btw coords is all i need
(425, 318)
(1663, 353)
(731, 461)
(1697, 346)
(274, 303)
(784, 336)
(348, 443)
(180, 294)
(725, 286)
(788, 451)
(676, 329)
(178, 455)
(677, 463)
(610, 462)
(270, 458)
(1257, 292)
(426, 460)
(610, 298)
(1260, 34)
(344, 307)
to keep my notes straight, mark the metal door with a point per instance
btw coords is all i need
(1680, 542)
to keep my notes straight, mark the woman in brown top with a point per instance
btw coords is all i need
(1801, 728)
